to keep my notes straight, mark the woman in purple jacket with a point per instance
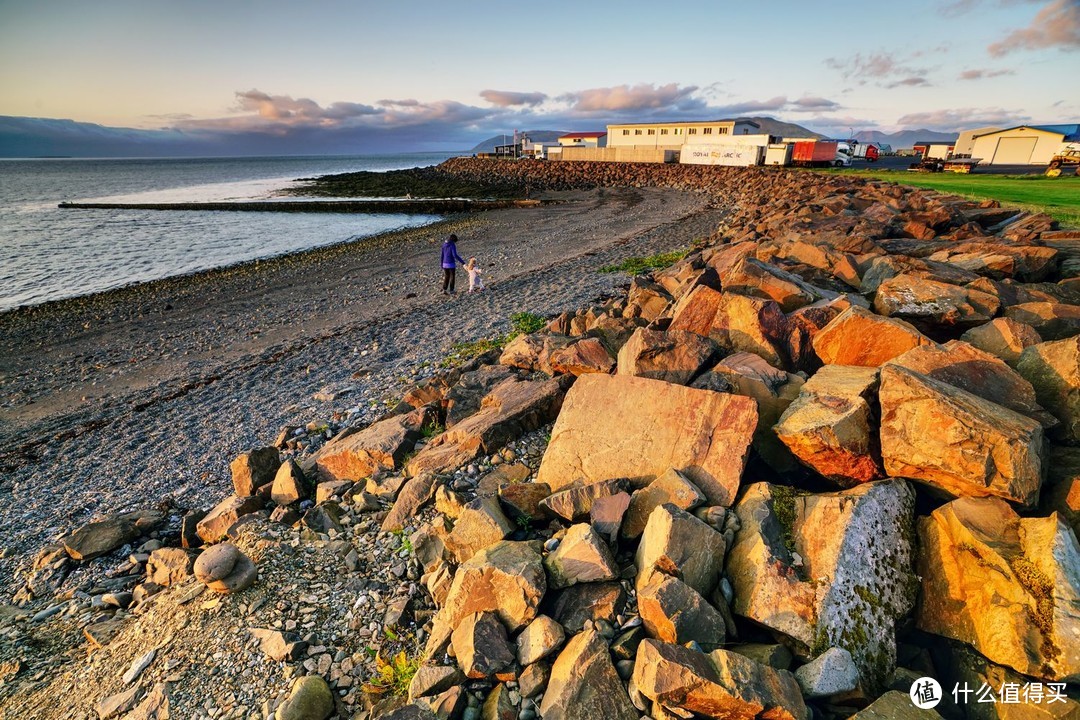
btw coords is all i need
(450, 258)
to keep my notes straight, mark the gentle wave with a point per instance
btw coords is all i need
(51, 254)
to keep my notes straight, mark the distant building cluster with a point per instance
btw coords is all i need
(742, 142)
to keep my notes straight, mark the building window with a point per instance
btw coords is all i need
(652, 131)
(692, 131)
(678, 131)
(625, 132)
(637, 132)
(707, 131)
(723, 131)
(663, 131)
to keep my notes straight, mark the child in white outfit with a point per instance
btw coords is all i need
(475, 283)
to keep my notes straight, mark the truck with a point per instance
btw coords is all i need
(821, 153)
(865, 151)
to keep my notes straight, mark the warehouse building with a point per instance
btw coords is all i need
(1024, 144)
(673, 135)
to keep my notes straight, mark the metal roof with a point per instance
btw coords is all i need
(1070, 131)
(686, 122)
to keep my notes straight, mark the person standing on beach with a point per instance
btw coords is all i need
(450, 258)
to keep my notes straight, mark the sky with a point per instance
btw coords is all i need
(426, 75)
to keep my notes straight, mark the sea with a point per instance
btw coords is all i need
(48, 253)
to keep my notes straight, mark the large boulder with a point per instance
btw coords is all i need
(753, 277)
(915, 298)
(582, 557)
(380, 446)
(513, 408)
(587, 355)
(1053, 321)
(216, 524)
(584, 685)
(1029, 263)
(980, 373)
(737, 323)
(671, 487)
(956, 441)
(828, 570)
(678, 544)
(481, 646)
(100, 537)
(506, 578)
(1053, 369)
(650, 298)
(627, 427)
(1003, 337)
(674, 612)
(676, 356)
(771, 388)
(721, 684)
(859, 337)
(466, 395)
(253, 469)
(831, 426)
(1007, 585)
(575, 503)
(481, 523)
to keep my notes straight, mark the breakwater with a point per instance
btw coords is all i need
(427, 206)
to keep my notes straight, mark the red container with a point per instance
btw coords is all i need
(814, 151)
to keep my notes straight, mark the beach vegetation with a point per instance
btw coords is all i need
(392, 677)
(641, 265)
(522, 323)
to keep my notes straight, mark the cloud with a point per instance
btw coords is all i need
(282, 109)
(624, 98)
(951, 119)
(957, 8)
(809, 103)
(506, 98)
(916, 81)
(1056, 25)
(982, 74)
(885, 69)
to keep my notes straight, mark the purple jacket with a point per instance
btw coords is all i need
(449, 255)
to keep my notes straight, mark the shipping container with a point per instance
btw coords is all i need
(778, 154)
(814, 152)
(738, 155)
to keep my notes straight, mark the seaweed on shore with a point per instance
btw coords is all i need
(430, 182)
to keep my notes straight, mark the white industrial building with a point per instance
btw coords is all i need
(583, 139)
(673, 135)
(1022, 145)
(966, 141)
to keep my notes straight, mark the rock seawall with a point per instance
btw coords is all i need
(828, 452)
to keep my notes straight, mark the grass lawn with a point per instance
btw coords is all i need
(1057, 197)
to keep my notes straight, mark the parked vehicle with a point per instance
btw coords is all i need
(866, 151)
(821, 153)
(1067, 160)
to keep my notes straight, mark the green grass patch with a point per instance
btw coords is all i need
(522, 323)
(1057, 197)
(392, 677)
(641, 265)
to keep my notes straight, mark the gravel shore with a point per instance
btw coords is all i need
(144, 395)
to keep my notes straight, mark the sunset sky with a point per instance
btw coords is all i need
(447, 74)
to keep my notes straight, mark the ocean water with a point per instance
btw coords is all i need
(50, 254)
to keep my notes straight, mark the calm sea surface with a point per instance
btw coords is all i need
(50, 254)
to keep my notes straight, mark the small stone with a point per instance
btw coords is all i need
(830, 673)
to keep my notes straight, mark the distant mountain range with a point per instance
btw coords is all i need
(46, 137)
(905, 138)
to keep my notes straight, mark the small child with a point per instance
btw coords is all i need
(475, 283)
